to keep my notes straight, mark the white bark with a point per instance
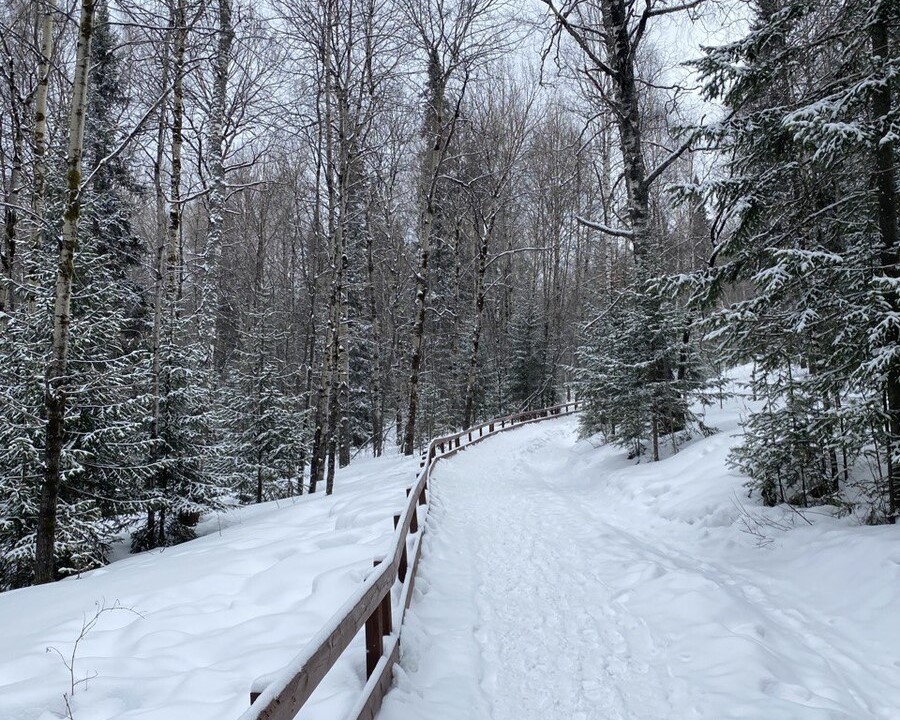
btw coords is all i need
(65, 272)
(216, 202)
(39, 195)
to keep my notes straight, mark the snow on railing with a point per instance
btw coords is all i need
(281, 696)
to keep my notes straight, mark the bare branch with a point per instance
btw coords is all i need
(605, 228)
(579, 38)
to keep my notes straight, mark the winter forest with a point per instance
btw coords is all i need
(245, 243)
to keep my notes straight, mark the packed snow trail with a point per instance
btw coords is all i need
(560, 581)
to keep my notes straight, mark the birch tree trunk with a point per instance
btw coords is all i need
(39, 194)
(159, 284)
(11, 215)
(55, 395)
(173, 235)
(216, 200)
(621, 54)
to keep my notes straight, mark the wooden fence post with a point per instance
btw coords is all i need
(375, 635)
(292, 696)
(401, 569)
(387, 618)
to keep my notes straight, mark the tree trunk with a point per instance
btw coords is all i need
(343, 394)
(486, 232)
(375, 387)
(11, 214)
(628, 120)
(415, 363)
(344, 172)
(168, 259)
(323, 439)
(173, 251)
(216, 200)
(886, 185)
(159, 284)
(438, 139)
(332, 436)
(39, 195)
(259, 370)
(55, 396)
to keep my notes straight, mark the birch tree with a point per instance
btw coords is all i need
(56, 381)
(216, 149)
(39, 192)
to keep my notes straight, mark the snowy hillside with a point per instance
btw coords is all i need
(559, 581)
(215, 613)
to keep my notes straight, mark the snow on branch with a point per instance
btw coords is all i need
(618, 232)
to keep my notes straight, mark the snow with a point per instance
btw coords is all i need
(560, 580)
(215, 613)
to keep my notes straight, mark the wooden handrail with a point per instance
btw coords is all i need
(281, 696)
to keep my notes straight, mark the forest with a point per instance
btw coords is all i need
(244, 243)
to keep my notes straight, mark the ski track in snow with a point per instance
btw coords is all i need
(559, 581)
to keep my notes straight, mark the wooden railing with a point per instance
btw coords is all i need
(281, 696)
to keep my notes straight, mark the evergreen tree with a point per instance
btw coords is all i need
(104, 459)
(802, 201)
(639, 375)
(530, 380)
(262, 445)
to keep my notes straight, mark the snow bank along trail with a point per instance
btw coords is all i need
(215, 613)
(561, 581)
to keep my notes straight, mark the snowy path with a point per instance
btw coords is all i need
(559, 581)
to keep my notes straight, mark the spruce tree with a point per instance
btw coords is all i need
(801, 203)
(530, 378)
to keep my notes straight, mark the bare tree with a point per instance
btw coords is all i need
(454, 39)
(501, 125)
(216, 158)
(610, 34)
